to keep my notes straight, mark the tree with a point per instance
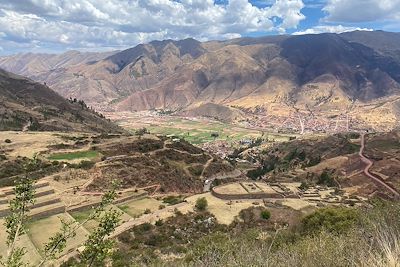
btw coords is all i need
(140, 132)
(97, 248)
(201, 204)
(15, 224)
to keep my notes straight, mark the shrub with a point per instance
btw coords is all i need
(201, 204)
(85, 164)
(337, 220)
(172, 200)
(265, 214)
(161, 207)
(145, 227)
(8, 141)
(177, 212)
(326, 179)
(147, 211)
(159, 222)
(304, 186)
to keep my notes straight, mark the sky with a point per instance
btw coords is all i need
(54, 26)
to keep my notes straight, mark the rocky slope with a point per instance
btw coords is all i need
(27, 105)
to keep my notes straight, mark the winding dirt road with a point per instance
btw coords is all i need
(368, 167)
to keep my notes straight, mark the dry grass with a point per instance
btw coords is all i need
(224, 213)
(136, 208)
(29, 143)
(41, 230)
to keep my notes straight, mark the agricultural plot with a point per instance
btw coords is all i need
(27, 144)
(199, 131)
(32, 255)
(136, 208)
(41, 230)
(77, 155)
(90, 225)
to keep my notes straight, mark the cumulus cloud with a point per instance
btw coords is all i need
(330, 29)
(121, 23)
(362, 10)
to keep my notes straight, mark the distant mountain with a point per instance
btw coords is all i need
(312, 72)
(35, 65)
(28, 105)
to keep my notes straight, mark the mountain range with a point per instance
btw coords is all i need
(319, 72)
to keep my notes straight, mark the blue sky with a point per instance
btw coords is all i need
(54, 26)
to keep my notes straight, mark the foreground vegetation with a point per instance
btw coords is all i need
(327, 237)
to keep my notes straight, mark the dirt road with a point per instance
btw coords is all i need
(368, 167)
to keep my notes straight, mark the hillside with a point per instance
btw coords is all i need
(319, 73)
(27, 105)
(156, 164)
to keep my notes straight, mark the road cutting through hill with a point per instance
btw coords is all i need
(368, 167)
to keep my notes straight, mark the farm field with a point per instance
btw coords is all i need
(77, 155)
(52, 225)
(82, 216)
(27, 144)
(194, 130)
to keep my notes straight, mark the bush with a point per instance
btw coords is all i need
(145, 227)
(201, 204)
(85, 164)
(265, 214)
(304, 186)
(147, 211)
(159, 222)
(8, 141)
(173, 200)
(177, 212)
(326, 179)
(336, 220)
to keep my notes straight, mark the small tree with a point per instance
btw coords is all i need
(15, 222)
(95, 251)
(140, 132)
(97, 248)
(201, 204)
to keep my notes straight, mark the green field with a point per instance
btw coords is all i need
(75, 155)
(197, 132)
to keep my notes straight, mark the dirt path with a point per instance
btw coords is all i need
(207, 182)
(26, 127)
(368, 167)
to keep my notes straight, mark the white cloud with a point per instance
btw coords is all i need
(330, 29)
(121, 23)
(362, 10)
